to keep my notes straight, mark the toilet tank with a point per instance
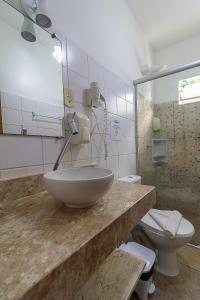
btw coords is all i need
(135, 179)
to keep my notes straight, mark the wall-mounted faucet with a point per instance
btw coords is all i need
(73, 131)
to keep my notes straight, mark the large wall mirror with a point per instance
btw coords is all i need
(31, 85)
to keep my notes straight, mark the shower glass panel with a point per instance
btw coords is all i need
(169, 110)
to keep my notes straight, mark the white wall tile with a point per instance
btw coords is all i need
(12, 129)
(79, 85)
(28, 105)
(123, 165)
(111, 102)
(132, 164)
(43, 109)
(98, 120)
(20, 172)
(77, 59)
(129, 128)
(27, 119)
(113, 165)
(131, 145)
(127, 165)
(129, 94)
(101, 162)
(123, 146)
(130, 111)
(65, 77)
(31, 130)
(12, 116)
(11, 101)
(82, 163)
(20, 151)
(44, 131)
(98, 149)
(96, 73)
(51, 149)
(121, 90)
(121, 107)
(113, 148)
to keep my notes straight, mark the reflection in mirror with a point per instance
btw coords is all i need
(31, 84)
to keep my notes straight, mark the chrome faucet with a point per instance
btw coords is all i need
(73, 131)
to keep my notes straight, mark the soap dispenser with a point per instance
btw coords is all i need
(83, 124)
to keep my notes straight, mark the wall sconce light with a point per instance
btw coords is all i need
(28, 31)
(35, 9)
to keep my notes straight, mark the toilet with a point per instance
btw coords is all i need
(151, 235)
(166, 248)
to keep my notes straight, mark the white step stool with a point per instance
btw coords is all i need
(145, 284)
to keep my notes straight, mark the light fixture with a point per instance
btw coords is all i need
(35, 9)
(28, 31)
(41, 18)
(57, 54)
(148, 70)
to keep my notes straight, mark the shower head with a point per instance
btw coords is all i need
(35, 9)
(28, 31)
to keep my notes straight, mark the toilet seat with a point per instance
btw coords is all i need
(186, 229)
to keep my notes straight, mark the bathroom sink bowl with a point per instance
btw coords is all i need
(78, 187)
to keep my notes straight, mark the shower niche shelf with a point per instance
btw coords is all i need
(159, 151)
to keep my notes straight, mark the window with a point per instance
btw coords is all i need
(189, 90)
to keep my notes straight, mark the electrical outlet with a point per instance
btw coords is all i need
(68, 97)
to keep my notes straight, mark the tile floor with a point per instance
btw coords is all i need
(186, 286)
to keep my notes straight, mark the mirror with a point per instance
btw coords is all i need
(31, 86)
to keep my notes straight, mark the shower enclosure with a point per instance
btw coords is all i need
(168, 139)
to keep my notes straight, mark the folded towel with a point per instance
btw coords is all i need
(168, 220)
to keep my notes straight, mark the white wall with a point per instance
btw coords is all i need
(105, 29)
(187, 51)
(180, 53)
(110, 50)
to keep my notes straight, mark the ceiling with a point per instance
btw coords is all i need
(166, 22)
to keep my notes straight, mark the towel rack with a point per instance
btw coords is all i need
(35, 115)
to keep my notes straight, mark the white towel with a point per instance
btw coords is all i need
(168, 220)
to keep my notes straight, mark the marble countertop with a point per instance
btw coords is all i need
(48, 251)
(115, 279)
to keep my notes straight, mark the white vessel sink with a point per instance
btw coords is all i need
(78, 187)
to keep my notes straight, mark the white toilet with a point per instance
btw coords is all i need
(166, 248)
(152, 235)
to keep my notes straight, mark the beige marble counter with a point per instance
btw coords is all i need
(48, 251)
(115, 279)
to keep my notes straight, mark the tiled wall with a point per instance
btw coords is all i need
(21, 156)
(178, 181)
(17, 115)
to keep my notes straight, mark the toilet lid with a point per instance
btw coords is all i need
(185, 228)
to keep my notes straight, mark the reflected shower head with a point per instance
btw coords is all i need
(28, 31)
(35, 9)
(43, 20)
